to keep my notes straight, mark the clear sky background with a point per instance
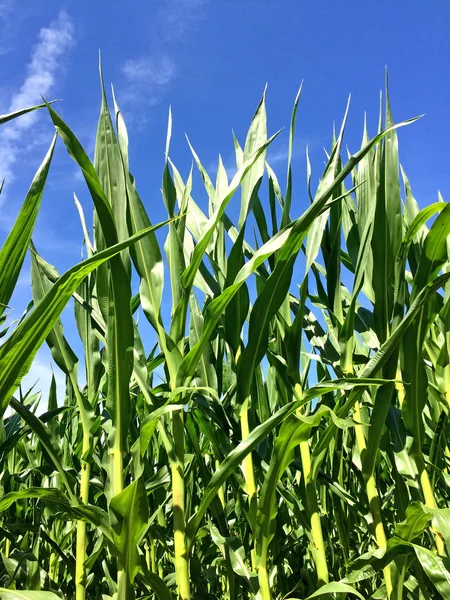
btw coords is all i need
(210, 60)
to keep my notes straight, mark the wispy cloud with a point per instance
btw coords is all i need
(149, 71)
(5, 8)
(8, 27)
(180, 16)
(46, 60)
(144, 83)
(148, 77)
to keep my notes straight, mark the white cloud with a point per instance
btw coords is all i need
(147, 78)
(8, 26)
(149, 71)
(5, 8)
(46, 56)
(277, 156)
(179, 16)
(11, 24)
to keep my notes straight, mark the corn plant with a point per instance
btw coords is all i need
(273, 423)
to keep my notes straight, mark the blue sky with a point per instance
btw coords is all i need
(210, 61)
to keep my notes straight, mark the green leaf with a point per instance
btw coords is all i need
(61, 351)
(24, 595)
(293, 431)
(110, 170)
(161, 590)
(434, 253)
(53, 496)
(217, 307)
(437, 569)
(200, 248)
(277, 285)
(17, 353)
(129, 521)
(49, 442)
(113, 281)
(440, 521)
(416, 522)
(15, 247)
(150, 423)
(23, 111)
(377, 361)
(59, 503)
(258, 434)
(256, 138)
(285, 218)
(335, 587)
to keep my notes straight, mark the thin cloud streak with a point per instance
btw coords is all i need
(5, 8)
(147, 78)
(46, 60)
(150, 71)
(144, 83)
(179, 16)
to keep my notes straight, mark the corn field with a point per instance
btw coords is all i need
(274, 425)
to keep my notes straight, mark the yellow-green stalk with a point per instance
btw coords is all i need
(81, 543)
(116, 456)
(428, 496)
(220, 493)
(373, 498)
(249, 476)
(80, 587)
(178, 500)
(318, 550)
(264, 584)
(319, 554)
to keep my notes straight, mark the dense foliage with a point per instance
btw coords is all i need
(287, 435)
